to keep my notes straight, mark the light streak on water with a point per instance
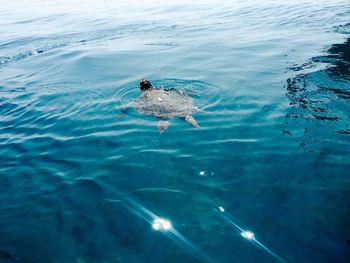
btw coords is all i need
(164, 226)
(246, 233)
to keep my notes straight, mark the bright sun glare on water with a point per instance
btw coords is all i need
(248, 235)
(160, 224)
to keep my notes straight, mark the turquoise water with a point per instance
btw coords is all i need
(81, 179)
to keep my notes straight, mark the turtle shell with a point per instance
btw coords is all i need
(165, 103)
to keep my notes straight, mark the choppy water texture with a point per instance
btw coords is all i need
(82, 179)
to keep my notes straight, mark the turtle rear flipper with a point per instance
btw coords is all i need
(162, 125)
(189, 119)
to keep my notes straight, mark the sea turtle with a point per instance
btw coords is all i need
(165, 104)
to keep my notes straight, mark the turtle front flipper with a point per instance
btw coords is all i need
(189, 119)
(162, 125)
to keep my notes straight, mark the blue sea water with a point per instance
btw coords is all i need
(81, 179)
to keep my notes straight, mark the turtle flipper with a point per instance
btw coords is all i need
(162, 125)
(191, 121)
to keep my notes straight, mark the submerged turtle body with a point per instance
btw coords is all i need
(165, 104)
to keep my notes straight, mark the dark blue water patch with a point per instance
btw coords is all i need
(319, 103)
(343, 29)
(319, 91)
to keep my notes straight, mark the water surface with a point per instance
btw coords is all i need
(82, 180)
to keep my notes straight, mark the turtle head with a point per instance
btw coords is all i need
(145, 85)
